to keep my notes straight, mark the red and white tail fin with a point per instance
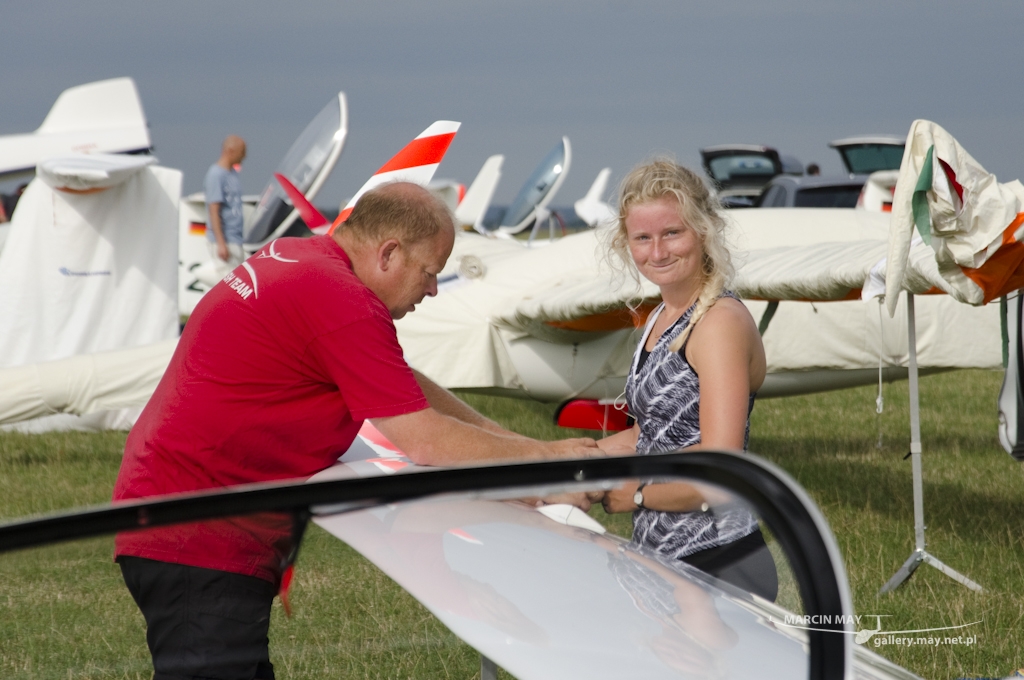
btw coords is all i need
(416, 163)
(313, 218)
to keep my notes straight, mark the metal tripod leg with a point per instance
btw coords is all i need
(914, 561)
(951, 572)
(904, 572)
(920, 554)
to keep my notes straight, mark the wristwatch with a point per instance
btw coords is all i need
(638, 496)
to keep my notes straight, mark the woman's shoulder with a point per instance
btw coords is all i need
(728, 310)
(728, 319)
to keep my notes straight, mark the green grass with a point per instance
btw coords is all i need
(66, 613)
(973, 508)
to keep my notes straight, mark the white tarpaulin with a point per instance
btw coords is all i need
(972, 223)
(84, 384)
(549, 321)
(92, 265)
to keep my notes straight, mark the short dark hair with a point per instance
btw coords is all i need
(398, 210)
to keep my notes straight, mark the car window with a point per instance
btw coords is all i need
(828, 197)
(868, 158)
(747, 169)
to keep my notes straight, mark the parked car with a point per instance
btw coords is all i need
(740, 171)
(870, 153)
(873, 162)
(814, 191)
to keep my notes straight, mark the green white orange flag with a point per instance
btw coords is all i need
(972, 224)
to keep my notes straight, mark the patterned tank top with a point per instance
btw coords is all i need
(664, 397)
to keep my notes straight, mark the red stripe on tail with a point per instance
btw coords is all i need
(423, 151)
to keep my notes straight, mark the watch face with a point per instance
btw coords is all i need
(638, 498)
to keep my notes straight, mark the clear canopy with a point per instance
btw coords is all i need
(537, 188)
(303, 163)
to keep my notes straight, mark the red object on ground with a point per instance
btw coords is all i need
(589, 414)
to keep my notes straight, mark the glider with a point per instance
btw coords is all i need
(415, 163)
(546, 594)
(105, 116)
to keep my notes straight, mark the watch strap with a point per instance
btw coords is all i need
(638, 496)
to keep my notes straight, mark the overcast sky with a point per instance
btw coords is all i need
(622, 80)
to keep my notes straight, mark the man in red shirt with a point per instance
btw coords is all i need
(272, 378)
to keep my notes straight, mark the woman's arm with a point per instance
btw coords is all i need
(726, 352)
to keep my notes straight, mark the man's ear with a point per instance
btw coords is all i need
(386, 253)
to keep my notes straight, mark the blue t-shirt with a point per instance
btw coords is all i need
(225, 187)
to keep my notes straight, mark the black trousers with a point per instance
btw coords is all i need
(746, 563)
(202, 623)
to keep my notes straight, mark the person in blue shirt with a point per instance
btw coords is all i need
(223, 189)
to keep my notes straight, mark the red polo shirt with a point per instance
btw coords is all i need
(276, 370)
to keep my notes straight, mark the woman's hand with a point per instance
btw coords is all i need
(620, 499)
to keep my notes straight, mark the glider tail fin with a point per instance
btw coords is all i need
(415, 163)
(101, 105)
(474, 206)
(591, 208)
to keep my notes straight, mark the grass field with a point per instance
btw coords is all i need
(66, 614)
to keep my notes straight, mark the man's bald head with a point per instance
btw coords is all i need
(399, 210)
(232, 151)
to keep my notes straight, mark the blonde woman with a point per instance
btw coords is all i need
(693, 377)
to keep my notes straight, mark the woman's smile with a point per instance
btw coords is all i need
(666, 251)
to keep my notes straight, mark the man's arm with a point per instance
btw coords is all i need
(446, 403)
(218, 231)
(430, 437)
(621, 443)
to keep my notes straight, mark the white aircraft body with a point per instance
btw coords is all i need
(551, 323)
(548, 592)
(101, 117)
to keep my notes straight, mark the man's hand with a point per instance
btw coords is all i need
(222, 251)
(583, 447)
(582, 500)
(621, 443)
(620, 499)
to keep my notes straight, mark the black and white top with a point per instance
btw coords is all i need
(663, 393)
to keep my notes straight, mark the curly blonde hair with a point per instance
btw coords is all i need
(698, 208)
